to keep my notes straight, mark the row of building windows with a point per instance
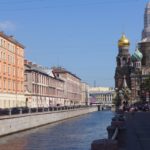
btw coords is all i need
(11, 85)
(11, 47)
(46, 80)
(9, 58)
(76, 96)
(7, 45)
(74, 87)
(7, 69)
(37, 89)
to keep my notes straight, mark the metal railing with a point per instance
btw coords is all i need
(27, 110)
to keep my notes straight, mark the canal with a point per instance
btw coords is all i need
(73, 134)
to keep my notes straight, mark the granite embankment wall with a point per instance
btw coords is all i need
(16, 123)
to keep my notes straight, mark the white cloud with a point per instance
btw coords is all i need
(7, 25)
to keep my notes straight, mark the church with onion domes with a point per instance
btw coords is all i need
(133, 69)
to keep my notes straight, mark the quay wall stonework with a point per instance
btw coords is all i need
(17, 123)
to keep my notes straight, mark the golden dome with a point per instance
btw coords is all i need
(123, 41)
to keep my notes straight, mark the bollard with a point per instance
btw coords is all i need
(10, 112)
(104, 144)
(20, 110)
(29, 110)
(121, 136)
(110, 131)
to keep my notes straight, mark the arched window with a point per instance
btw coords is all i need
(124, 61)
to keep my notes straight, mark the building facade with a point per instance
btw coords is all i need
(11, 72)
(52, 87)
(42, 89)
(85, 94)
(72, 85)
(134, 68)
(101, 95)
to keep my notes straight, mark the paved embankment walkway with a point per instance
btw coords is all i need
(138, 131)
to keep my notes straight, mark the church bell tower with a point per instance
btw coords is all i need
(123, 63)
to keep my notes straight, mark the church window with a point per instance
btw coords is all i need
(124, 61)
(118, 61)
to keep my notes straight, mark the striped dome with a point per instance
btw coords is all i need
(137, 56)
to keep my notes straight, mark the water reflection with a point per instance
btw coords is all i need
(73, 134)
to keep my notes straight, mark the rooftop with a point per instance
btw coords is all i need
(11, 39)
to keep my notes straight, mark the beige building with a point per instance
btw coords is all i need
(72, 85)
(85, 94)
(11, 72)
(42, 89)
(101, 95)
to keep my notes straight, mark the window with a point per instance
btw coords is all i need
(4, 56)
(1, 55)
(13, 60)
(5, 68)
(0, 83)
(14, 72)
(25, 77)
(13, 85)
(4, 45)
(8, 46)
(4, 84)
(0, 42)
(8, 84)
(9, 71)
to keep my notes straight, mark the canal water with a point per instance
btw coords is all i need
(73, 134)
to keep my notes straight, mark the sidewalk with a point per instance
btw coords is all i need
(138, 131)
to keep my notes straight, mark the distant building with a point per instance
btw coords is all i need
(101, 95)
(85, 94)
(72, 85)
(52, 87)
(42, 89)
(11, 72)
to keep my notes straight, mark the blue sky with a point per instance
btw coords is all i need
(79, 35)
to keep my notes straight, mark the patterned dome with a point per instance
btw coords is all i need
(137, 56)
(123, 41)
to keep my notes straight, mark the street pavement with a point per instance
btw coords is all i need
(137, 135)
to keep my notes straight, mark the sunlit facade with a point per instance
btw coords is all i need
(11, 72)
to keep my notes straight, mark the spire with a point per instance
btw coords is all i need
(148, 5)
(146, 30)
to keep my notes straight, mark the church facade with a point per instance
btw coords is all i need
(134, 69)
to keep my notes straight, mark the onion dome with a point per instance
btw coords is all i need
(123, 41)
(137, 56)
